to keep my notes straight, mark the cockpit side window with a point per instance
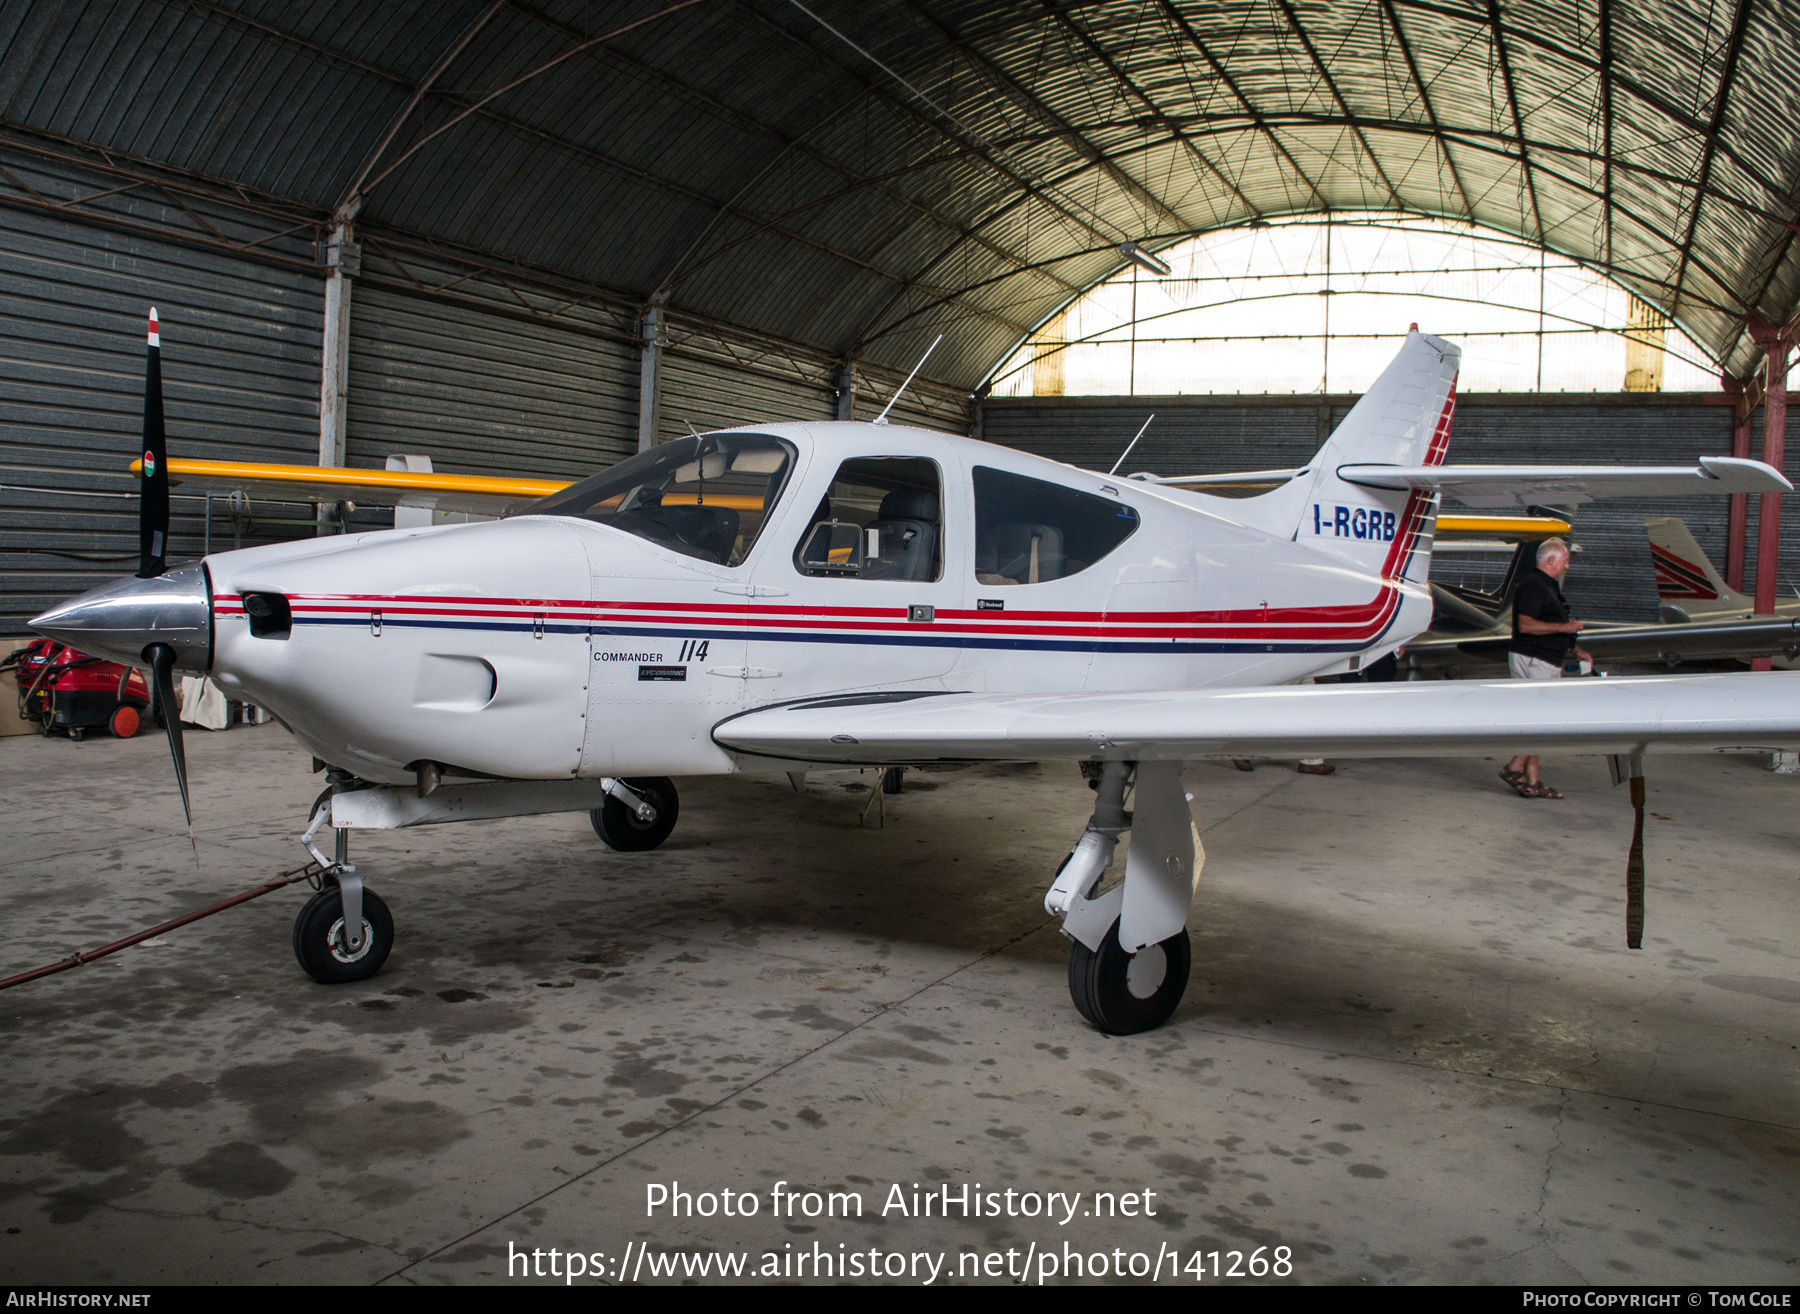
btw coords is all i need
(705, 497)
(882, 518)
(1031, 531)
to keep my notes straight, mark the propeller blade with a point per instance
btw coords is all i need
(153, 492)
(162, 686)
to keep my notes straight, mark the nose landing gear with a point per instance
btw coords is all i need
(1129, 964)
(323, 947)
(344, 933)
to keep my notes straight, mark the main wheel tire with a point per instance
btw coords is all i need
(1123, 994)
(319, 938)
(893, 780)
(125, 722)
(618, 825)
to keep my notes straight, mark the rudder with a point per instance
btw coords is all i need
(1403, 419)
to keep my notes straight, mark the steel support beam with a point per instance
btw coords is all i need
(789, 142)
(1714, 129)
(846, 400)
(1324, 71)
(1606, 130)
(1437, 128)
(1518, 120)
(344, 261)
(1739, 509)
(1188, 30)
(650, 379)
(1774, 452)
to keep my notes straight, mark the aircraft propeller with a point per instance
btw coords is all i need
(153, 551)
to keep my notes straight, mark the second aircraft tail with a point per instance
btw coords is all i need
(1685, 578)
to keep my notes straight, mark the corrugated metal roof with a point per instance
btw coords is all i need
(964, 166)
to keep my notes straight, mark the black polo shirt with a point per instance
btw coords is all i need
(1540, 597)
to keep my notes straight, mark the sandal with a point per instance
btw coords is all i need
(1539, 790)
(1513, 778)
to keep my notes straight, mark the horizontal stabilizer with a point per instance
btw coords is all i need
(1451, 718)
(1560, 485)
(1237, 479)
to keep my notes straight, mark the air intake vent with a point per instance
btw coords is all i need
(270, 616)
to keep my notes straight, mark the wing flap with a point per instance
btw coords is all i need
(1559, 485)
(1689, 713)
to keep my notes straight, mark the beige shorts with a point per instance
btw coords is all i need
(1531, 668)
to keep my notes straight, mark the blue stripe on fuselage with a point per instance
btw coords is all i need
(1140, 647)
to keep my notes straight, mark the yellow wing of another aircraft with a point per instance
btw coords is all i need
(313, 483)
(1509, 529)
(490, 496)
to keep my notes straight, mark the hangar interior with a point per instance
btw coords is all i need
(536, 236)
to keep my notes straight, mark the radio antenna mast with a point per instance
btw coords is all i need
(882, 418)
(1130, 445)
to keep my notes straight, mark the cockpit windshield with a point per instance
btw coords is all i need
(705, 497)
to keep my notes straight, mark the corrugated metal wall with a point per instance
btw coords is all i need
(924, 404)
(704, 388)
(483, 393)
(1612, 578)
(240, 354)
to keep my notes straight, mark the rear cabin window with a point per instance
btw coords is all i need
(705, 497)
(882, 518)
(1030, 531)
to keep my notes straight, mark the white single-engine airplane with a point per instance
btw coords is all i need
(790, 596)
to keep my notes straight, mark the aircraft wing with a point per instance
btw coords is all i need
(314, 483)
(1449, 718)
(1526, 485)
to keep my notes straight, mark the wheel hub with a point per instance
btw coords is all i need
(336, 940)
(1148, 968)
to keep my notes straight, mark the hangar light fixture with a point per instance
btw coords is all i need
(1144, 260)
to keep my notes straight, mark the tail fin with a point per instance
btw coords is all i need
(1685, 577)
(1403, 419)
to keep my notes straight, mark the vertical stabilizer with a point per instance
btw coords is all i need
(1685, 578)
(1403, 419)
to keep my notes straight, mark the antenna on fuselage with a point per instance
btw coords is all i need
(1128, 446)
(901, 391)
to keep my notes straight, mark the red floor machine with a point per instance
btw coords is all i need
(65, 690)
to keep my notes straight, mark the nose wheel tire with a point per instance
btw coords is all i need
(618, 825)
(319, 938)
(1123, 994)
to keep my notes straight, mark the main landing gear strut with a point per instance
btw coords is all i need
(1128, 966)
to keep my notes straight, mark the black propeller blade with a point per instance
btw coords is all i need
(162, 685)
(153, 492)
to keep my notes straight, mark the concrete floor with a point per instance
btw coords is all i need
(1415, 1048)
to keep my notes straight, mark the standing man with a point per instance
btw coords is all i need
(1543, 633)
